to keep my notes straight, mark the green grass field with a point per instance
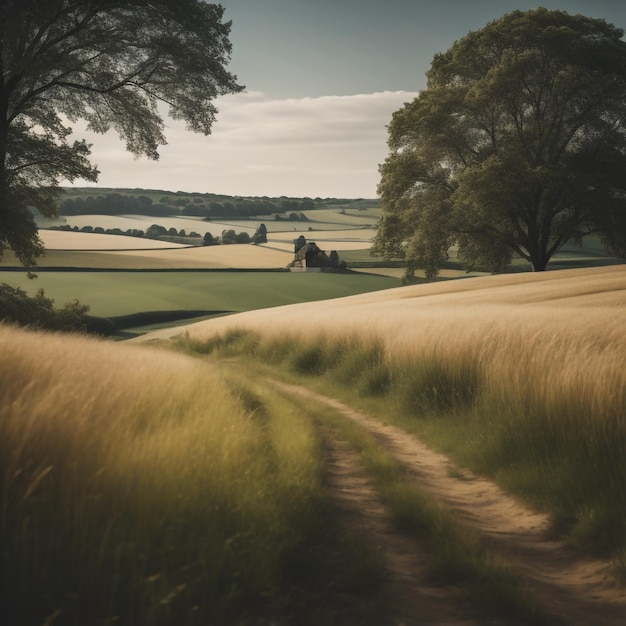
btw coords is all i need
(122, 293)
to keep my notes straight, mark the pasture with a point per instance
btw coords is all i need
(122, 293)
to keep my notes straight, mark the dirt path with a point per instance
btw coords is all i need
(409, 598)
(576, 589)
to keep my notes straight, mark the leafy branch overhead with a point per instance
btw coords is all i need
(106, 62)
(516, 146)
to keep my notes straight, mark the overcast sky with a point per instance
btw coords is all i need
(322, 79)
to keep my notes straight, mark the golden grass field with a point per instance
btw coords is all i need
(116, 251)
(137, 482)
(93, 250)
(548, 349)
(529, 371)
(579, 305)
(70, 240)
(113, 455)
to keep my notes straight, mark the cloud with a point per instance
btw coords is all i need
(325, 120)
(326, 146)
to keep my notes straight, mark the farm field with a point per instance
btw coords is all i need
(541, 299)
(321, 220)
(235, 256)
(449, 452)
(122, 293)
(61, 240)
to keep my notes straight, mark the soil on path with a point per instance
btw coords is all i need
(410, 597)
(576, 589)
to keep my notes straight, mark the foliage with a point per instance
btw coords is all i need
(109, 63)
(229, 236)
(516, 146)
(17, 307)
(260, 235)
(208, 240)
(243, 237)
(114, 204)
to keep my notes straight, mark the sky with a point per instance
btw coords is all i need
(322, 79)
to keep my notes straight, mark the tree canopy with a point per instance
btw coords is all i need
(516, 146)
(110, 63)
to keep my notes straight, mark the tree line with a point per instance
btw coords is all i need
(124, 204)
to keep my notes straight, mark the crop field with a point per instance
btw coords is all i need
(323, 219)
(531, 368)
(70, 240)
(124, 292)
(548, 302)
(546, 350)
(350, 217)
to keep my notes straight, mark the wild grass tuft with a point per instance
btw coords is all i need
(137, 488)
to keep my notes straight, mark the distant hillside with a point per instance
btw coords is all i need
(157, 203)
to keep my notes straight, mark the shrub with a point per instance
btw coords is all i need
(17, 307)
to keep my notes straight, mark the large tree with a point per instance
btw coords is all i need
(109, 62)
(516, 146)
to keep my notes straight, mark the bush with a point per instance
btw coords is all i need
(17, 307)
(229, 236)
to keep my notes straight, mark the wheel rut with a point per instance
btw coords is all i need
(409, 598)
(576, 589)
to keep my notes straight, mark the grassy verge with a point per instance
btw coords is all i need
(138, 488)
(145, 488)
(545, 418)
(455, 554)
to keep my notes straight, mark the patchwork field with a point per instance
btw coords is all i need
(318, 220)
(64, 240)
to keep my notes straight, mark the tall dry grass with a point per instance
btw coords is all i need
(136, 487)
(523, 376)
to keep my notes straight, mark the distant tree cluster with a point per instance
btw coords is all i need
(114, 204)
(153, 232)
(236, 208)
(230, 236)
(190, 206)
(245, 208)
(293, 217)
